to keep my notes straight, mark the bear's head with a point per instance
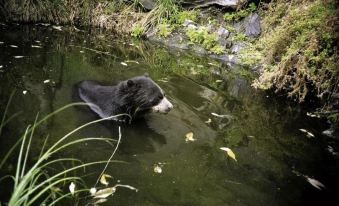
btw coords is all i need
(143, 94)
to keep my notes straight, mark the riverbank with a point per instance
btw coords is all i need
(291, 45)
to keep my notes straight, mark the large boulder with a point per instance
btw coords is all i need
(249, 25)
(148, 4)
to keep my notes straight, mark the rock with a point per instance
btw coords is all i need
(204, 3)
(249, 25)
(237, 46)
(192, 26)
(188, 22)
(148, 4)
(223, 33)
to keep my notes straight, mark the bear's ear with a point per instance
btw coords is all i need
(146, 75)
(130, 83)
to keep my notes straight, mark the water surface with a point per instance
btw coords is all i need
(263, 132)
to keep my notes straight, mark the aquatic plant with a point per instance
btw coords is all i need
(34, 185)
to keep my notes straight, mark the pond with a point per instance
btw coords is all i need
(212, 99)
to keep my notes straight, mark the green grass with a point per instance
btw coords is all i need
(237, 15)
(33, 185)
(206, 39)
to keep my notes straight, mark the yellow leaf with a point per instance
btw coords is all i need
(208, 121)
(157, 169)
(189, 137)
(103, 179)
(105, 192)
(229, 152)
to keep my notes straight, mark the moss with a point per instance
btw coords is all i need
(165, 29)
(237, 15)
(298, 46)
(180, 17)
(137, 31)
(208, 40)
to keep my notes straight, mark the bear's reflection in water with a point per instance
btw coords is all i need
(136, 138)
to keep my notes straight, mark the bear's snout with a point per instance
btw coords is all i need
(164, 106)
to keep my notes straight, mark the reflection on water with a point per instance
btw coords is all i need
(263, 132)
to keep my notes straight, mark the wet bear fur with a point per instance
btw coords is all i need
(133, 97)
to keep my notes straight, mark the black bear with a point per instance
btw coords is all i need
(133, 97)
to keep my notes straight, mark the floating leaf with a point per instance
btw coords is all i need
(93, 190)
(315, 183)
(308, 134)
(229, 152)
(208, 121)
(103, 179)
(105, 192)
(189, 137)
(221, 115)
(36, 46)
(47, 81)
(157, 169)
(123, 63)
(57, 28)
(218, 81)
(72, 188)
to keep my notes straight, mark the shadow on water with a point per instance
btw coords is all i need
(44, 65)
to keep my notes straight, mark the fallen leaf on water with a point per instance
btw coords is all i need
(189, 137)
(157, 169)
(132, 61)
(308, 134)
(36, 46)
(105, 192)
(72, 188)
(93, 190)
(208, 121)
(218, 81)
(315, 183)
(229, 152)
(123, 63)
(103, 179)
(221, 115)
(57, 28)
(47, 81)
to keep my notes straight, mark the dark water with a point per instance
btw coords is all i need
(263, 132)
